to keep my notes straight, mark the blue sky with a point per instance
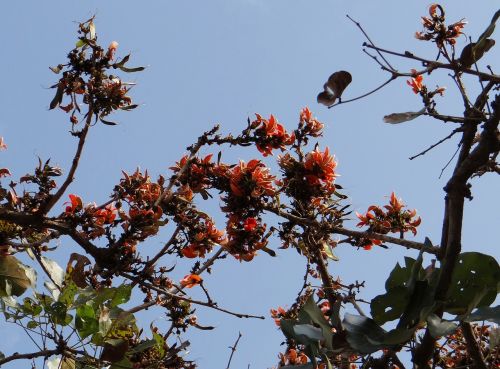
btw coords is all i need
(220, 62)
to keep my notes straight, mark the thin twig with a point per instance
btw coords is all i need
(393, 77)
(233, 350)
(432, 65)
(371, 42)
(436, 144)
(196, 302)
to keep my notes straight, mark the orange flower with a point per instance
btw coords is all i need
(75, 204)
(112, 50)
(191, 280)
(313, 126)
(271, 135)
(253, 177)
(106, 215)
(321, 166)
(415, 82)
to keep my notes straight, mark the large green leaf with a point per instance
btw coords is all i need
(439, 327)
(474, 283)
(317, 317)
(491, 314)
(13, 278)
(390, 305)
(363, 334)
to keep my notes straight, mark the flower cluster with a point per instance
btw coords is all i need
(436, 30)
(251, 179)
(202, 235)
(292, 357)
(309, 124)
(270, 135)
(86, 79)
(140, 193)
(394, 219)
(196, 174)
(246, 236)
(310, 179)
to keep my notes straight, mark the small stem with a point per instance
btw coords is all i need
(76, 159)
(233, 350)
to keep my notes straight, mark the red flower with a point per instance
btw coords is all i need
(415, 82)
(321, 166)
(75, 204)
(191, 280)
(106, 215)
(250, 224)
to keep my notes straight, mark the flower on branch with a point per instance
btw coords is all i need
(416, 82)
(394, 219)
(75, 204)
(270, 134)
(312, 126)
(320, 167)
(251, 179)
(191, 280)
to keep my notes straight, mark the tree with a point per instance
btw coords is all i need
(80, 313)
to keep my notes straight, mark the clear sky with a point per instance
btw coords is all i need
(221, 61)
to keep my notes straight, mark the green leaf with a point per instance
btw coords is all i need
(317, 317)
(491, 314)
(129, 107)
(160, 343)
(489, 30)
(474, 283)
(107, 122)
(439, 327)
(121, 295)
(85, 321)
(130, 70)
(58, 97)
(122, 364)
(391, 305)
(144, 345)
(308, 332)
(363, 334)
(122, 62)
(80, 43)
(68, 293)
(32, 324)
(58, 314)
(13, 279)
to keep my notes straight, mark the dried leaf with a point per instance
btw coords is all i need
(334, 87)
(396, 118)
